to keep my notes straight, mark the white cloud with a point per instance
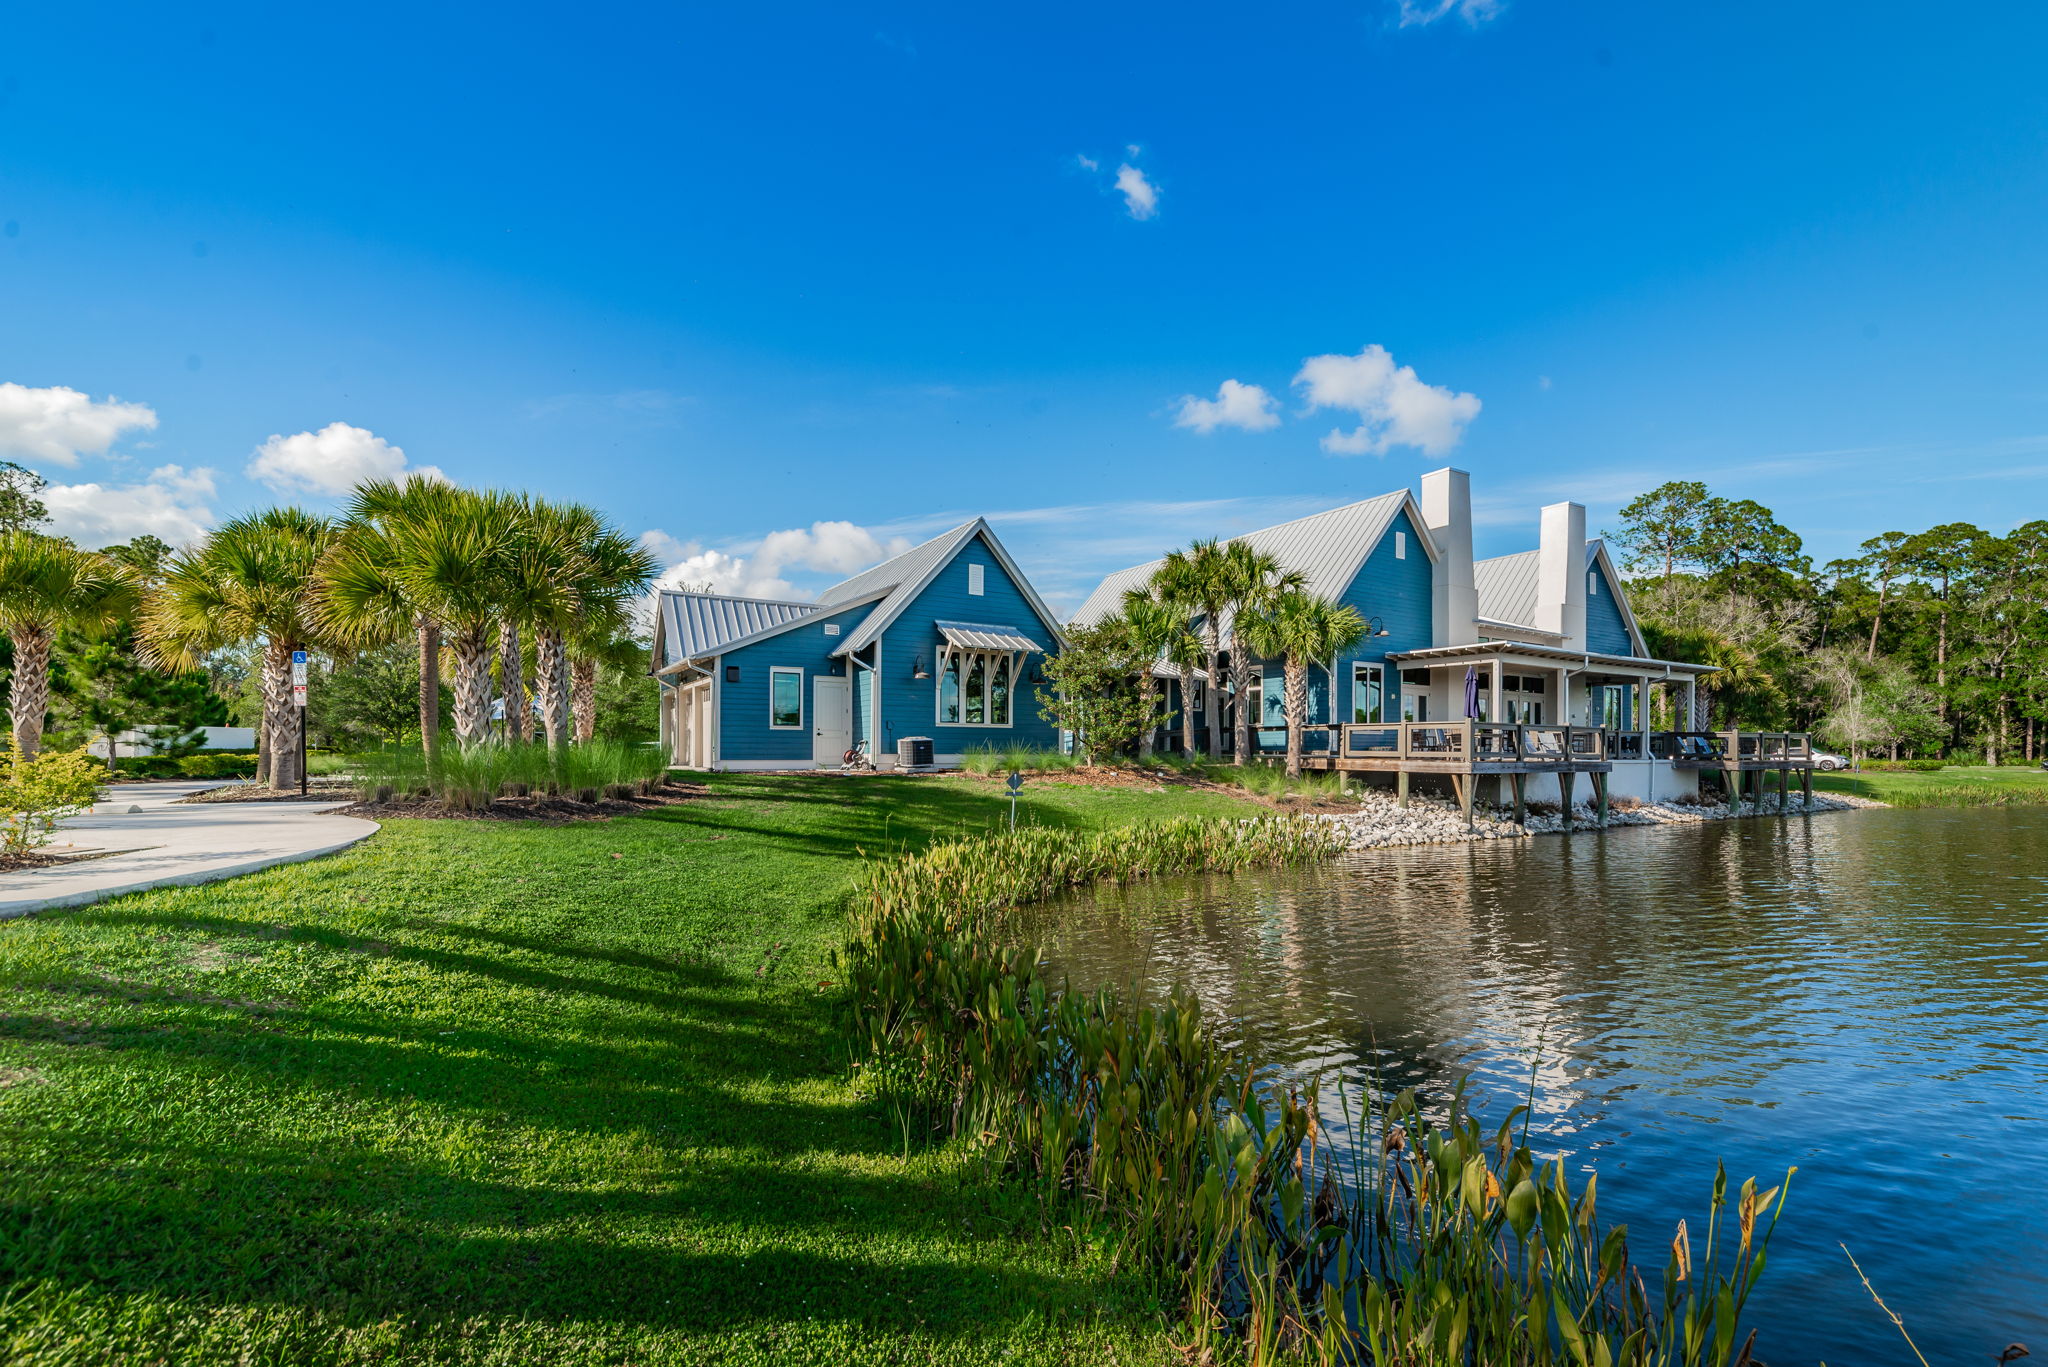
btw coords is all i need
(1473, 12)
(1086, 162)
(57, 425)
(173, 503)
(333, 460)
(1236, 405)
(839, 549)
(1141, 196)
(1394, 407)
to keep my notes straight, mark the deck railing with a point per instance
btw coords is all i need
(1483, 742)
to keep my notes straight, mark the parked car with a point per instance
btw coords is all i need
(1824, 761)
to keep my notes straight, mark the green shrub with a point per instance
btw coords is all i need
(35, 794)
(216, 766)
(147, 766)
(1905, 766)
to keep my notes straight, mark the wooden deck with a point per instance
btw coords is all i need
(1464, 751)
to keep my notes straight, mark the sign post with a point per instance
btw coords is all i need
(1016, 786)
(299, 702)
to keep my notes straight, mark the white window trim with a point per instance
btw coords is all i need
(1400, 545)
(1380, 671)
(977, 579)
(774, 725)
(1592, 583)
(947, 651)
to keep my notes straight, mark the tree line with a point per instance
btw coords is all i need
(524, 599)
(1923, 644)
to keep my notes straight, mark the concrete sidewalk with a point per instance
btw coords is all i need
(163, 843)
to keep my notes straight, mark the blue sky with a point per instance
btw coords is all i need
(736, 271)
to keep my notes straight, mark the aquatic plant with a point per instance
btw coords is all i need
(1404, 1237)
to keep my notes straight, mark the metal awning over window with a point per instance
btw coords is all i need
(982, 636)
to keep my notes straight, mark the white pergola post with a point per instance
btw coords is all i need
(1692, 706)
(1493, 709)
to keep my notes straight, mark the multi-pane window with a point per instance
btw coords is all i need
(975, 686)
(1368, 694)
(786, 699)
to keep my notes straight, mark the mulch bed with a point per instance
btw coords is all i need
(319, 790)
(553, 810)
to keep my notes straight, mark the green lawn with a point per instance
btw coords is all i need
(506, 1093)
(1957, 787)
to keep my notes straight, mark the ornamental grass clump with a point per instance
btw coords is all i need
(468, 778)
(1394, 1236)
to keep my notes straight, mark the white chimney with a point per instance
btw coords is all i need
(1447, 512)
(1561, 574)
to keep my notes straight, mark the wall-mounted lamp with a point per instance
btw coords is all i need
(917, 669)
(1375, 627)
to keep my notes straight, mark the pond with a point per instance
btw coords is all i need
(1863, 995)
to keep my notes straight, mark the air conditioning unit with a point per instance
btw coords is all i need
(914, 752)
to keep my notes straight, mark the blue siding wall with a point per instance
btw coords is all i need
(743, 730)
(1606, 632)
(863, 702)
(1398, 593)
(910, 706)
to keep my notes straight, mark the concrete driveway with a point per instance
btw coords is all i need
(160, 842)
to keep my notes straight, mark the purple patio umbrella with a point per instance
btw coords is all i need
(1471, 691)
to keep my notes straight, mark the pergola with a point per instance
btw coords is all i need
(1570, 677)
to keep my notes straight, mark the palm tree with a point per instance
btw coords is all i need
(46, 586)
(367, 602)
(1185, 653)
(1301, 628)
(1155, 629)
(437, 559)
(254, 579)
(1198, 579)
(1255, 581)
(603, 572)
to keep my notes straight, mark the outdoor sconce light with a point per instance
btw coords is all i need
(917, 669)
(732, 673)
(1375, 627)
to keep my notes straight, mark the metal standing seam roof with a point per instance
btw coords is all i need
(982, 636)
(1506, 585)
(901, 569)
(912, 571)
(1327, 548)
(694, 625)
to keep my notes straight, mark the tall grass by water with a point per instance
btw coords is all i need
(471, 777)
(1406, 1238)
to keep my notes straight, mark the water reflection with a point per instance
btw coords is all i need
(1863, 995)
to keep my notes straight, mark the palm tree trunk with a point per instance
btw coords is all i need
(583, 697)
(1212, 713)
(551, 686)
(512, 681)
(28, 691)
(279, 713)
(472, 648)
(430, 686)
(1297, 712)
(1187, 713)
(1146, 701)
(1240, 692)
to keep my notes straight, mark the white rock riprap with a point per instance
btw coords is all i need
(1380, 822)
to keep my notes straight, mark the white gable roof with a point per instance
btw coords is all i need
(908, 575)
(1327, 548)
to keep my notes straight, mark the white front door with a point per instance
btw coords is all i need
(831, 719)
